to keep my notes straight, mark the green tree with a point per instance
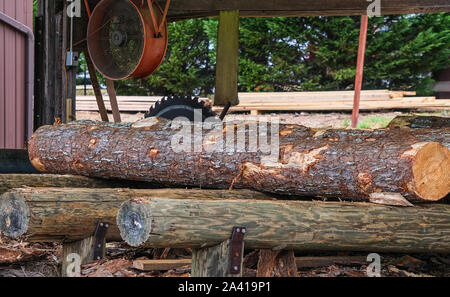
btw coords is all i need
(304, 54)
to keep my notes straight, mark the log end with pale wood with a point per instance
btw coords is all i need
(59, 214)
(14, 215)
(430, 170)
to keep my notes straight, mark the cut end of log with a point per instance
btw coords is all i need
(431, 171)
(134, 223)
(147, 123)
(14, 215)
(36, 162)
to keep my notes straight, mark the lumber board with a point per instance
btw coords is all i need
(314, 262)
(417, 103)
(155, 265)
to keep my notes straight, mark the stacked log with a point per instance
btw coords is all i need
(361, 165)
(72, 214)
(297, 225)
(416, 121)
(14, 181)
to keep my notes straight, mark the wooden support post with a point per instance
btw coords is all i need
(47, 58)
(83, 251)
(213, 261)
(113, 100)
(96, 87)
(359, 69)
(227, 59)
(223, 260)
(83, 254)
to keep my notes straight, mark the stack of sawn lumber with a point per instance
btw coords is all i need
(126, 103)
(335, 101)
(289, 101)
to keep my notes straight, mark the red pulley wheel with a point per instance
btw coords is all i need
(123, 41)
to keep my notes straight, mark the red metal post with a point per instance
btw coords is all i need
(359, 69)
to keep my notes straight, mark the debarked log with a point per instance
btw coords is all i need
(12, 181)
(71, 214)
(282, 159)
(298, 225)
(416, 121)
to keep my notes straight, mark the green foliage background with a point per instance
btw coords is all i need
(304, 54)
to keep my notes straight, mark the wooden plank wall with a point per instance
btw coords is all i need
(12, 75)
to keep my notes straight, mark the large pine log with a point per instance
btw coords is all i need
(71, 214)
(297, 225)
(356, 164)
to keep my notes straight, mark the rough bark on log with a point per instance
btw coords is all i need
(334, 163)
(416, 122)
(71, 214)
(297, 225)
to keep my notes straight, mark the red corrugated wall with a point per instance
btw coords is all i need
(12, 74)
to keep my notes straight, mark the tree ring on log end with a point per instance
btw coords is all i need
(431, 171)
(14, 215)
(133, 223)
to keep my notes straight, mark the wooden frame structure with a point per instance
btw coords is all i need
(55, 89)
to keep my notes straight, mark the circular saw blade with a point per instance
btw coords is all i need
(173, 107)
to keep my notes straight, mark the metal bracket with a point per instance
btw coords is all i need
(99, 240)
(225, 111)
(236, 249)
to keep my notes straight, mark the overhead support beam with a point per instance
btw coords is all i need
(183, 9)
(227, 59)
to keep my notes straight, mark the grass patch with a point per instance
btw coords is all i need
(374, 123)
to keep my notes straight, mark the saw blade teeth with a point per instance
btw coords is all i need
(173, 106)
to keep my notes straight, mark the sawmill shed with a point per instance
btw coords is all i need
(102, 181)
